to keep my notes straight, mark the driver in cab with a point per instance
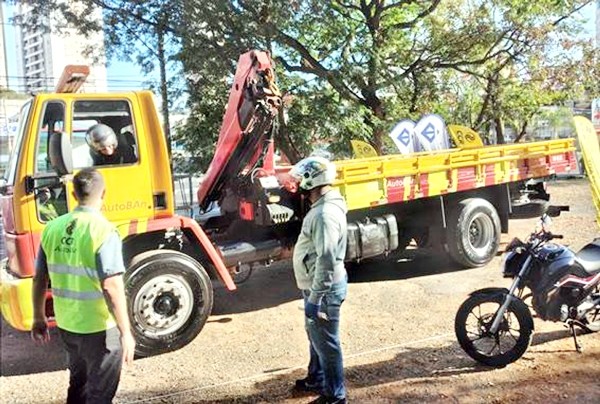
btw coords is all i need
(105, 147)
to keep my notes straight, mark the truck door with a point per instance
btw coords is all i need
(49, 193)
(126, 173)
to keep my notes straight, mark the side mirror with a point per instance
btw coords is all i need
(60, 153)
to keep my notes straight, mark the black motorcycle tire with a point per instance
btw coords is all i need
(520, 312)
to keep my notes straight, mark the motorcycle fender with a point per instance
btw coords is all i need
(503, 292)
(490, 291)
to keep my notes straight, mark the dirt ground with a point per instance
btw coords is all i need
(397, 336)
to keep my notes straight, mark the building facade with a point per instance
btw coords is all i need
(3, 64)
(598, 24)
(43, 53)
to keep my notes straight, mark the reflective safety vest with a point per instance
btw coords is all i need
(71, 243)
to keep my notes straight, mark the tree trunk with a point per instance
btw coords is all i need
(499, 130)
(163, 85)
(522, 133)
(284, 141)
(376, 107)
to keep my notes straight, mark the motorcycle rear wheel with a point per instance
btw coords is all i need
(509, 343)
(592, 320)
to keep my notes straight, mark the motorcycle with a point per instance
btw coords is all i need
(494, 326)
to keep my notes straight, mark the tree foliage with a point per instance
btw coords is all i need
(356, 67)
(352, 68)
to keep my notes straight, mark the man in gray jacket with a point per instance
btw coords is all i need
(321, 276)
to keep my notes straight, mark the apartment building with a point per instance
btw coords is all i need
(598, 24)
(3, 65)
(43, 53)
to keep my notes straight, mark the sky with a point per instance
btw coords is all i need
(120, 75)
(127, 76)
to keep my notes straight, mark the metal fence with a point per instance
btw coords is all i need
(184, 188)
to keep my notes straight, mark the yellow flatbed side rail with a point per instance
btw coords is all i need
(396, 178)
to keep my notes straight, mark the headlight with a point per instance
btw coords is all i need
(512, 262)
(504, 260)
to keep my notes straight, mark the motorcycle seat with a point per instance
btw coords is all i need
(589, 257)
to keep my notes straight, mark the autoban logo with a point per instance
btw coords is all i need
(129, 205)
(395, 182)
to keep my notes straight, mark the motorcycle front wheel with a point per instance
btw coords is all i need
(474, 319)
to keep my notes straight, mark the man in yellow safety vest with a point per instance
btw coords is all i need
(81, 254)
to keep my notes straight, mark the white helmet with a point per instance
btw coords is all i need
(313, 172)
(99, 136)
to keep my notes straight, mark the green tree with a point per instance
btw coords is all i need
(352, 68)
(359, 65)
(515, 83)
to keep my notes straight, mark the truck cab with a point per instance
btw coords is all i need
(169, 258)
(34, 193)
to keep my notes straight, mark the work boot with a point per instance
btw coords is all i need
(329, 400)
(308, 385)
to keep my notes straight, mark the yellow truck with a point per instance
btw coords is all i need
(458, 199)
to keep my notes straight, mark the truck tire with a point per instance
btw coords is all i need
(170, 297)
(473, 232)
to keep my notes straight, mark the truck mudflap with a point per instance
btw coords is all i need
(133, 227)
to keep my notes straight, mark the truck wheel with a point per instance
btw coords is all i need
(170, 298)
(473, 232)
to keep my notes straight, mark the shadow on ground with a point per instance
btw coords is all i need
(423, 366)
(412, 363)
(271, 287)
(411, 264)
(20, 356)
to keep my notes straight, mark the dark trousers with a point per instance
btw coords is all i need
(95, 362)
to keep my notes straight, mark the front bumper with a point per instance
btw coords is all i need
(15, 299)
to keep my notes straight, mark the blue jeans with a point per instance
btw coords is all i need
(326, 366)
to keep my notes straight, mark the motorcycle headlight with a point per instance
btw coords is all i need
(512, 262)
(513, 258)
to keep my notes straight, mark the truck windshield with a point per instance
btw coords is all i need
(10, 173)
